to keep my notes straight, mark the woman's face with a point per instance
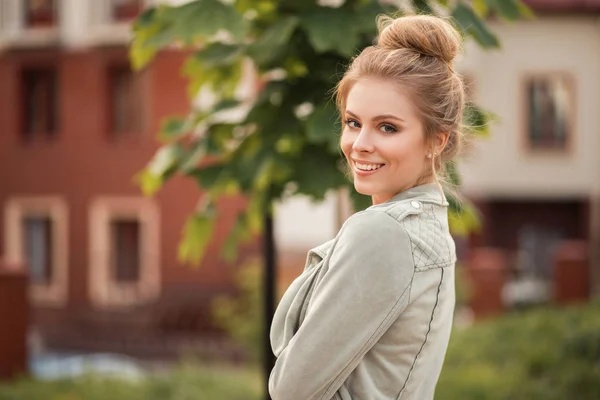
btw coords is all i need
(383, 139)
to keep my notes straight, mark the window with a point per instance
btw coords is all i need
(124, 263)
(549, 108)
(125, 10)
(125, 250)
(38, 248)
(39, 13)
(35, 234)
(40, 103)
(125, 101)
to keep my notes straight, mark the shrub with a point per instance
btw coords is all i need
(241, 315)
(544, 354)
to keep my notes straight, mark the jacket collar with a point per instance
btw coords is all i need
(429, 193)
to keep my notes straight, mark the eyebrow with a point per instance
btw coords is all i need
(379, 117)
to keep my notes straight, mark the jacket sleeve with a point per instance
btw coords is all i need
(364, 291)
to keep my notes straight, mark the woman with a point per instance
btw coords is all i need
(370, 317)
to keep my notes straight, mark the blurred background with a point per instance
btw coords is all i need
(91, 285)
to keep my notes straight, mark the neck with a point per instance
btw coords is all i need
(383, 197)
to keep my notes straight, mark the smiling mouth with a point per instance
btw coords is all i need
(367, 167)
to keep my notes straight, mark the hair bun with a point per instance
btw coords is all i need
(424, 34)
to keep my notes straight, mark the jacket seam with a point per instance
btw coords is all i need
(437, 298)
(449, 253)
(405, 292)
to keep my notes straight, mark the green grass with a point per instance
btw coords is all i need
(185, 382)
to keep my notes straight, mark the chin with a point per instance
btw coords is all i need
(367, 190)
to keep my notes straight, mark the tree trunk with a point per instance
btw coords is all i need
(270, 274)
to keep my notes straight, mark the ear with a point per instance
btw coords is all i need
(440, 141)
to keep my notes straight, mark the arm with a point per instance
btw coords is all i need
(365, 289)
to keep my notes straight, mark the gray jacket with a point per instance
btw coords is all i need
(370, 317)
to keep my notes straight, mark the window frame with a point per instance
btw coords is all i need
(571, 116)
(54, 293)
(106, 292)
(117, 65)
(47, 135)
(54, 19)
(122, 275)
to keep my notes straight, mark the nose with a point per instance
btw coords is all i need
(363, 142)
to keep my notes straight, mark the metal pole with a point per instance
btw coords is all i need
(269, 280)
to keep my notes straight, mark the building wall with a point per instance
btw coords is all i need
(84, 164)
(501, 165)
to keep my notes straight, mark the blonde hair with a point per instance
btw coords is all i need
(417, 53)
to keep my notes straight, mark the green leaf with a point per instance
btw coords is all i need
(422, 6)
(197, 233)
(159, 169)
(225, 104)
(525, 10)
(476, 120)
(316, 172)
(453, 174)
(166, 158)
(264, 50)
(264, 174)
(332, 30)
(239, 233)
(173, 128)
(218, 55)
(295, 68)
(365, 17)
(194, 156)
(163, 36)
(480, 7)
(320, 126)
(218, 138)
(208, 176)
(470, 23)
(506, 9)
(510, 10)
(255, 212)
(222, 76)
(140, 53)
(464, 222)
(149, 184)
(145, 19)
(203, 19)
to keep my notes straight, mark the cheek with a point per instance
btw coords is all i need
(404, 152)
(346, 143)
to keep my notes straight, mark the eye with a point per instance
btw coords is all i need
(387, 128)
(352, 123)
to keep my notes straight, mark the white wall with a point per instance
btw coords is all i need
(500, 165)
(301, 224)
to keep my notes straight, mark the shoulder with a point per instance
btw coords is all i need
(373, 232)
(411, 226)
(374, 246)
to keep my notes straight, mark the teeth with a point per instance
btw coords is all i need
(368, 167)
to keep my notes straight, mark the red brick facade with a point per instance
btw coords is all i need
(83, 162)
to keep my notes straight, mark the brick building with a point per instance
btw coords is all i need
(76, 124)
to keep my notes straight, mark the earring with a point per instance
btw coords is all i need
(429, 155)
